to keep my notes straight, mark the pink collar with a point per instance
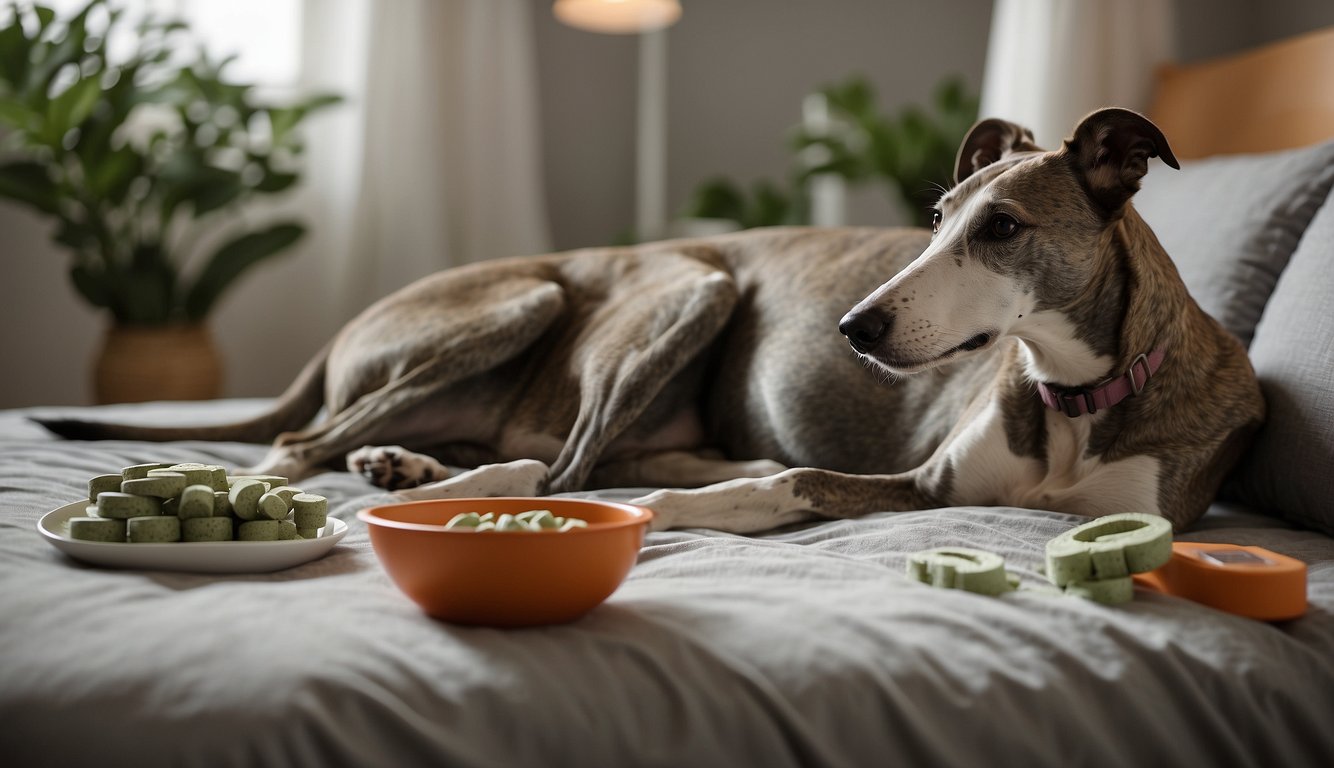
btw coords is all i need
(1077, 401)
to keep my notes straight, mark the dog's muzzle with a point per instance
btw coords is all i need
(864, 329)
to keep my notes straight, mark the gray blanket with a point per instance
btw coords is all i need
(798, 648)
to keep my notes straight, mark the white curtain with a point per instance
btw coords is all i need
(1050, 62)
(434, 161)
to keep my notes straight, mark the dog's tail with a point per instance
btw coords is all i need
(294, 409)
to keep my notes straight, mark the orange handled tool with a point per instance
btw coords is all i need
(1248, 581)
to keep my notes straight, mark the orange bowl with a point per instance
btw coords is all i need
(506, 578)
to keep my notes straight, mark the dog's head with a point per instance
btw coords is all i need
(1017, 242)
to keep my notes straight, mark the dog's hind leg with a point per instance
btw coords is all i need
(476, 337)
(628, 357)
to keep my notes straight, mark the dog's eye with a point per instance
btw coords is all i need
(1003, 226)
(935, 221)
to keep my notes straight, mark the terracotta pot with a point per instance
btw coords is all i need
(138, 363)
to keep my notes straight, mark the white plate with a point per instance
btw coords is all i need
(195, 556)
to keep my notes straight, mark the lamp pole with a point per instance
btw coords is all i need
(651, 140)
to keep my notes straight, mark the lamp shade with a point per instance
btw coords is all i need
(618, 17)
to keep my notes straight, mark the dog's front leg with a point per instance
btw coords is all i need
(749, 505)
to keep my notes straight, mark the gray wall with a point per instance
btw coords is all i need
(738, 71)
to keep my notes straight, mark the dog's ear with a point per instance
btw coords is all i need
(989, 141)
(1111, 148)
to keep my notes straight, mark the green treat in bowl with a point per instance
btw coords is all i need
(287, 492)
(206, 529)
(271, 506)
(195, 501)
(97, 529)
(102, 484)
(140, 470)
(195, 474)
(157, 529)
(222, 505)
(244, 497)
(121, 506)
(163, 484)
(259, 530)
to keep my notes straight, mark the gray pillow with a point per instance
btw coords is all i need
(1231, 223)
(1289, 470)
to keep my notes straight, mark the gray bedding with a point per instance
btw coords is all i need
(802, 647)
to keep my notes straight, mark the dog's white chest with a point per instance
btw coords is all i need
(986, 471)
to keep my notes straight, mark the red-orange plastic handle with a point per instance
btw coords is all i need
(1248, 581)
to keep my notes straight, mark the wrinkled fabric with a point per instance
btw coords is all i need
(804, 647)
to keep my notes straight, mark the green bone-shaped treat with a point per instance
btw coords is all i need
(1110, 547)
(973, 570)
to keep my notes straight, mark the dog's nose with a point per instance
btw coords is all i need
(863, 329)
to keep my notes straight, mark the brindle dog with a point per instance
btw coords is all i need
(704, 361)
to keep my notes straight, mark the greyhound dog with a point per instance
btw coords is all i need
(1037, 349)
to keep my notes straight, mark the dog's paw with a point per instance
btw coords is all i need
(394, 467)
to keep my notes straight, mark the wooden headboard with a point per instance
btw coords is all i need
(1276, 97)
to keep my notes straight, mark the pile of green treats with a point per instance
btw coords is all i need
(158, 503)
(532, 520)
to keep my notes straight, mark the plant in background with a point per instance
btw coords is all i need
(913, 152)
(142, 160)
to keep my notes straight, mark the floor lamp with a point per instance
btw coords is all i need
(649, 19)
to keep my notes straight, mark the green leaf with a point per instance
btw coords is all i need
(770, 207)
(74, 235)
(44, 15)
(29, 182)
(717, 199)
(91, 283)
(234, 258)
(14, 51)
(110, 179)
(73, 105)
(274, 181)
(17, 114)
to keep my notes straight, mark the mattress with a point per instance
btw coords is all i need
(802, 647)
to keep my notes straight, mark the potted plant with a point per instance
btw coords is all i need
(141, 161)
(911, 152)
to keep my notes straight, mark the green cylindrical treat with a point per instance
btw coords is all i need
(217, 477)
(287, 530)
(259, 530)
(1107, 591)
(206, 529)
(140, 470)
(102, 484)
(195, 474)
(196, 501)
(244, 498)
(153, 530)
(271, 506)
(274, 481)
(121, 506)
(96, 528)
(287, 492)
(163, 485)
(1109, 547)
(309, 518)
(974, 570)
(312, 502)
(222, 505)
(308, 533)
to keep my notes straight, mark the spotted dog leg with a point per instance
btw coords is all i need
(394, 467)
